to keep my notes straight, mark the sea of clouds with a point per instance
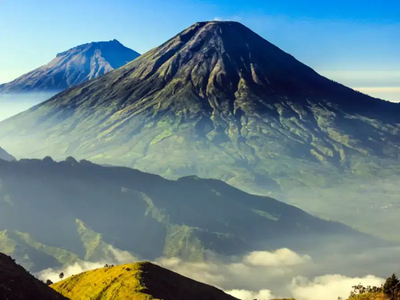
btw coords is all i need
(269, 274)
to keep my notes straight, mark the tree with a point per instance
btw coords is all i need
(49, 282)
(61, 275)
(391, 287)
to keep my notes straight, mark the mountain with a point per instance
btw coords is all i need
(18, 284)
(73, 67)
(142, 280)
(219, 101)
(54, 214)
(5, 156)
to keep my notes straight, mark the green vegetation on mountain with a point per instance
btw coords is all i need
(18, 284)
(32, 254)
(390, 290)
(138, 281)
(71, 211)
(218, 101)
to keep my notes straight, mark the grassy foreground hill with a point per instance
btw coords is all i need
(55, 213)
(18, 284)
(138, 281)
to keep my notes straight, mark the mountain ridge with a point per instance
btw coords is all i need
(187, 218)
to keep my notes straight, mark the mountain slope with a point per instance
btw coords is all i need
(218, 101)
(136, 281)
(17, 284)
(73, 67)
(5, 156)
(81, 211)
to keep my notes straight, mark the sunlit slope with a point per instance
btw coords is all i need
(138, 281)
(18, 284)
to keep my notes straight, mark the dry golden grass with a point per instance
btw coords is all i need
(138, 281)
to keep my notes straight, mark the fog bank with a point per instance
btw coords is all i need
(270, 274)
(12, 104)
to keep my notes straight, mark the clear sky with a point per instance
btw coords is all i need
(356, 42)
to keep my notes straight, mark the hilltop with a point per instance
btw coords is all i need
(136, 281)
(72, 67)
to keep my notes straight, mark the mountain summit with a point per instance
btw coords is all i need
(72, 67)
(219, 101)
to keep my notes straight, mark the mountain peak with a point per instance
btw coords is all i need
(73, 66)
(219, 29)
(218, 23)
(97, 44)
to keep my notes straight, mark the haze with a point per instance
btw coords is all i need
(252, 146)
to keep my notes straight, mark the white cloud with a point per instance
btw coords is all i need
(120, 257)
(262, 274)
(248, 295)
(76, 268)
(281, 257)
(329, 287)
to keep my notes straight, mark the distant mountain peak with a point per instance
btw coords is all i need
(73, 66)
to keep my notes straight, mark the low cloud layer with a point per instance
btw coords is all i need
(328, 287)
(269, 274)
(119, 257)
(76, 268)
(281, 257)
(247, 295)
(13, 104)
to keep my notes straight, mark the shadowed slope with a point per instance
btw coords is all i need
(137, 281)
(18, 284)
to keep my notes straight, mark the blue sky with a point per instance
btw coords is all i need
(355, 42)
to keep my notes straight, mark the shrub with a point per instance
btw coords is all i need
(391, 288)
